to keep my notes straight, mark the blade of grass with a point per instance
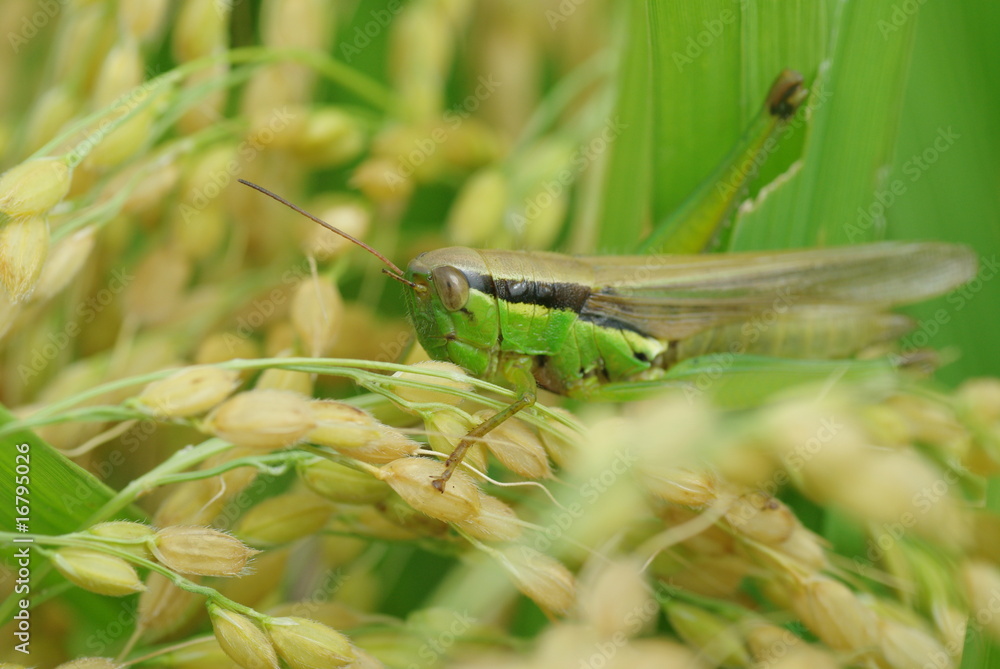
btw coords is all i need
(625, 194)
(61, 494)
(712, 65)
(805, 32)
(695, 51)
(852, 134)
(948, 161)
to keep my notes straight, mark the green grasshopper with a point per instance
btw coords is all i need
(612, 327)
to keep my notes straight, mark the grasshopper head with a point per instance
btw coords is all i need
(454, 318)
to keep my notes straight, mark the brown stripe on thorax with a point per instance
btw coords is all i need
(547, 279)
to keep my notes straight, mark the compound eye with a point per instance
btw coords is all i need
(452, 287)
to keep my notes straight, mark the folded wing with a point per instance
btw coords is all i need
(674, 297)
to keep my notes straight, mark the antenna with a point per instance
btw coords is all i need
(393, 270)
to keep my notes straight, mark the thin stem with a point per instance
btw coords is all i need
(178, 462)
(360, 371)
(364, 87)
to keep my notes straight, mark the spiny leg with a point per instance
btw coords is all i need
(519, 374)
(697, 225)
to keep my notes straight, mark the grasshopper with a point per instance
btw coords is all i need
(612, 327)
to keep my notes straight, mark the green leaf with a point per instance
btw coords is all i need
(852, 131)
(713, 63)
(627, 176)
(951, 188)
(62, 497)
(61, 494)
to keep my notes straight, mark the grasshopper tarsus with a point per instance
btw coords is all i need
(451, 464)
(523, 378)
(786, 94)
